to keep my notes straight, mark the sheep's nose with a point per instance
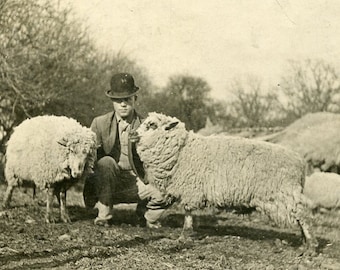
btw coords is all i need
(75, 174)
(134, 137)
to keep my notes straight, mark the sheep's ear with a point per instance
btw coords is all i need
(171, 125)
(62, 142)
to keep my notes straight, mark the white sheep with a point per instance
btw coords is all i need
(223, 171)
(54, 152)
(323, 190)
(315, 137)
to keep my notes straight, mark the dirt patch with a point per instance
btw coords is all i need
(221, 241)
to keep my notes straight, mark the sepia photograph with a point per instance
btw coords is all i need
(153, 134)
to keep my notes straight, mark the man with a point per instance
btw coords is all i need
(118, 172)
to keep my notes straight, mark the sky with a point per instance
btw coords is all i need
(217, 40)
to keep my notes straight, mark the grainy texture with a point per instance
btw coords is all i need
(41, 148)
(223, 241)
(315, 137)
(222, 171)
(323, 189)
(53, 152)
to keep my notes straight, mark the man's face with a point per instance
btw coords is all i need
(124, 107)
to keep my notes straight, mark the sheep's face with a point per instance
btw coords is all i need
(160, 136)
(80, 153)
(77, 159)
(157, 127)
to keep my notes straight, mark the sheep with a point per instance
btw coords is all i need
(315, 137)
(323, 190)
(53, 152)
(222, 171)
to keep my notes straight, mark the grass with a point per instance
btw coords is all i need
(326, 224)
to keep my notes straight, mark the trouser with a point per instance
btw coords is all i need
(113, 185)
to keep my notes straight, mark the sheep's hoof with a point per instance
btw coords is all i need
(3, 213)
(309, 250)
(65, 219)
(4, 206)
(187, 236)
(49, 219)
(184, 239)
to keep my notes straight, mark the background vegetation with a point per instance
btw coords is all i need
(49, 65)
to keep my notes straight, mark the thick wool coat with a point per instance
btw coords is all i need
(39, 147)
(222, 171)
(323, 189)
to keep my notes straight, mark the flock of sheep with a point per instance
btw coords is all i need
(273, 175)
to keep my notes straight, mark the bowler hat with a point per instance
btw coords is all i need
(122, 86)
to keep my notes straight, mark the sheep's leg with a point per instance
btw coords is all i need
(34, 192)
(8, 196)
(49, 205)
(188, 222)
(311, 242)
(62, 203)
(187, 226)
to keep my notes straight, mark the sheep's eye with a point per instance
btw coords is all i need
(152, 126)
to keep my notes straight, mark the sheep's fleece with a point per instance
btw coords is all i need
(47, 150)
(323, 189)
(315, 137)
(223, 171)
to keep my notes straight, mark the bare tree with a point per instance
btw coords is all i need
(311, 86)
(251, 106)
(41, 55)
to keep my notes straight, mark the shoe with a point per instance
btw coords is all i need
(141, 222)
(154, 225)
(102, 222)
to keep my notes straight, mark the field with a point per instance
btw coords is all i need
(221, 240)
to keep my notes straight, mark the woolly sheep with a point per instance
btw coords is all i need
(54, 152)
(223, 171)
(316, 138)
(323, 189)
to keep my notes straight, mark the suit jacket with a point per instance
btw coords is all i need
(106, 127)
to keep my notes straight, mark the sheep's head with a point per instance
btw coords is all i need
(157, 128)
(158, 121)
(81, 150)
(160, 140)
(155, 124)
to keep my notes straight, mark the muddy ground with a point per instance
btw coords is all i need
(221, 241)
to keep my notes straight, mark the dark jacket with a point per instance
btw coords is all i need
(106, 126)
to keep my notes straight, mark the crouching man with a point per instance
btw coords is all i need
(118, 173)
